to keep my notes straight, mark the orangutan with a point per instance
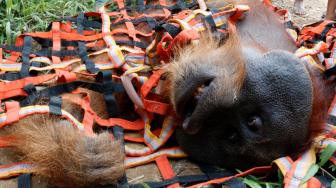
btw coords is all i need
(243, 102)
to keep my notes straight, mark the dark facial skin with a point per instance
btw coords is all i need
(255, 99)
(268, 118)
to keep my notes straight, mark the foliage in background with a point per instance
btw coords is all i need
(19, 16)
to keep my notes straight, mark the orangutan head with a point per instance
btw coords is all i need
(241, 106)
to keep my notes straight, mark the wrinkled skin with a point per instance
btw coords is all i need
(256, 98)
(276, 94)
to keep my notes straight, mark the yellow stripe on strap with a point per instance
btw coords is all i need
(136, 161)
(8, 171)
(284, 164)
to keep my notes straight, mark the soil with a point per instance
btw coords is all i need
(314, 10)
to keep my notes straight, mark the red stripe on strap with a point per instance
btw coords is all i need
(153, 105)
(12, 113)
(56, 39)
(314, 183)
(166, 170)
(5, 141)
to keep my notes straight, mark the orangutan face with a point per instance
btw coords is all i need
(240, 107)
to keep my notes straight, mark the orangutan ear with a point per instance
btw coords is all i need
(323, 92)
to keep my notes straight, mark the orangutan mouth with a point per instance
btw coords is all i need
(190, 97)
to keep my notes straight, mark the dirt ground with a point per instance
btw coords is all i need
(314, 10)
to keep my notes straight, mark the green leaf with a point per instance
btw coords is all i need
(8, 32)
(9, 5)
(327, 153)
(253, 178)
(251, 183)
(145, 185)
(280, 177)
(333, 184)
(1, 39)
(268, 185)
(311, 172)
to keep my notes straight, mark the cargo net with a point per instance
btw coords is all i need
(122, 48)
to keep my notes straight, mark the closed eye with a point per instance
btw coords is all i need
(254, 123)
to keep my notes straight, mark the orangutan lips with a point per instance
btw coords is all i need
(192, 103)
